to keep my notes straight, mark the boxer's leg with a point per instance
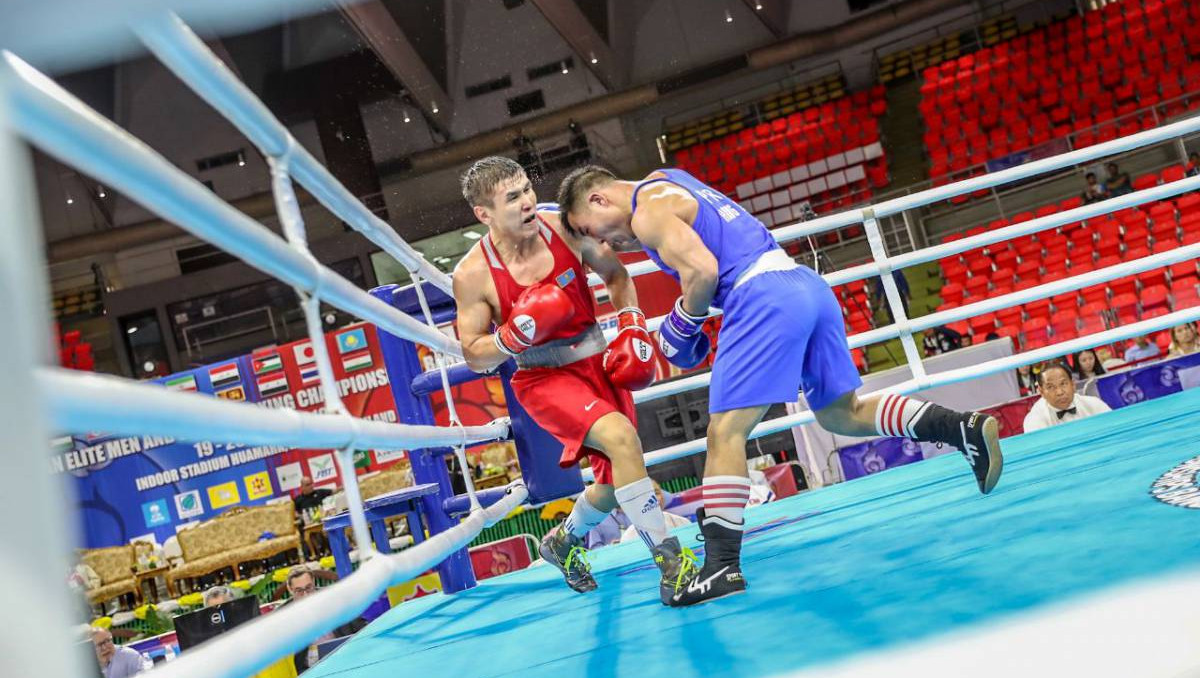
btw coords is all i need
(976, 435)
(615, 436)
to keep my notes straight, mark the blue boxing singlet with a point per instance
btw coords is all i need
(732, 234)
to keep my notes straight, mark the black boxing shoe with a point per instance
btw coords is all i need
(566, 552)
(676, 564)
(721, 575)
(979, 441)
(976, 435)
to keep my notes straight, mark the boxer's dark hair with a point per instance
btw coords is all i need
(574, 189)
(1053, 365)
(481, 178)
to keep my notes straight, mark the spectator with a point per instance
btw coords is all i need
(115, 662)
(1193, 164)
(1107, 360)
(1094, 191)
(1142, 349)
(1183, 340)
(217, 595)
(1026, 381)
(310, 497)
(1087, 364)
(901, 286)
(1059, 402)
(941, 340)
(1117, 182)
(307, 505)
(301, 584)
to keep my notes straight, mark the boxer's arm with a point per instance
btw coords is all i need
(659, 227)
(475, 318)
(604, 261)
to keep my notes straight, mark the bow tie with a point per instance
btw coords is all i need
(1063, 413)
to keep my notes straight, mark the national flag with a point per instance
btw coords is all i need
(359, 361)
(309, 375)
(272, 384)
(183, 382)
(304, 353)
(225, 374)
(565, 278)
(235, 393)
(354, 340)
(267, 362)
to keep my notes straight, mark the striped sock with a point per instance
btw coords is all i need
(725, 500)
(640, 504)
(897, 416)
(583, 517)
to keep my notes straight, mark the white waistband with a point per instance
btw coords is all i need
(771, 260)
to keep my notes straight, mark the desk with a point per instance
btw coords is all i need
(404, 501)
(308, 532)
(486, 482)
(141, 576)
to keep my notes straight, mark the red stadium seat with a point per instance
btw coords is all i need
(1125, 308)
(1154, 297)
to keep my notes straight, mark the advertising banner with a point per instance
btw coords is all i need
(134, 486)
(1144, 383)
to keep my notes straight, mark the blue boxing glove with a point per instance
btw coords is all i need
(680, 338)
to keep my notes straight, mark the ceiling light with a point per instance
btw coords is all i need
(472, 235)
(70, 200)
(241, 159)
(435, 108)
(593, 57)
(757, 6)
(406, 118)
(100, 192)
(728, 17)
(565, 69)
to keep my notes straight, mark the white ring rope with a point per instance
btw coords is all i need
(65, 127)
(78, 401)
(174, 43)
(989, 304)
(460, 450)
(291, 220)
(257, 645)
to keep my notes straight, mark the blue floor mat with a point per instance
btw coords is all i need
(873, 563)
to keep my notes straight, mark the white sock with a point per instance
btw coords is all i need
(897, 416)
(583, 517)
(725, 500)
(640, 504)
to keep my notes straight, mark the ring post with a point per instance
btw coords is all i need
(428, 465)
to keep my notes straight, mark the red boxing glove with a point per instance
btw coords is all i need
(538, 312)
(629, 359)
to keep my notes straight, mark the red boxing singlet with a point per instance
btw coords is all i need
(567, 273)
(566, 400)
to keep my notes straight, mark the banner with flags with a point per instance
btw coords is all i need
(130, 486)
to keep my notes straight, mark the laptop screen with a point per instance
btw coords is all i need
(194, 628)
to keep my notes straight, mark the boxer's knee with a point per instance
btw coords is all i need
(615, 436)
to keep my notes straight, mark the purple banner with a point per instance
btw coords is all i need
(1144, 383)
(878, 455)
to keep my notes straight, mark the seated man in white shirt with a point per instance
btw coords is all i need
(1141, 349)
(1059, 402)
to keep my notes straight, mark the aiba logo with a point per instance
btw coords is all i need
(1178, 487)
